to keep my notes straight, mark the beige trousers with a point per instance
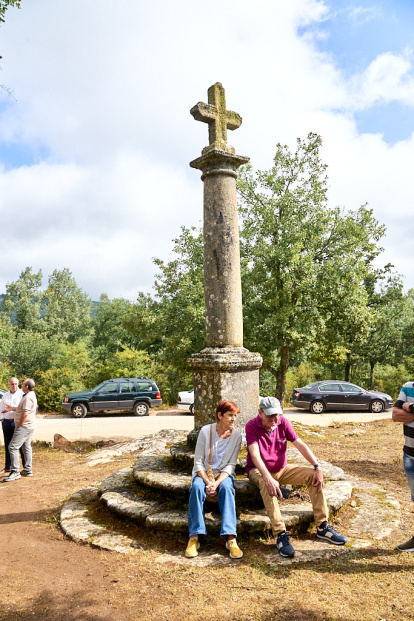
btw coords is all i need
(290, 475)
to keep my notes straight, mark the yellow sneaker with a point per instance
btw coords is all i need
(192, 547)
(234, 549)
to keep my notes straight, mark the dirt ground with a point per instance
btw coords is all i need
(46, 577)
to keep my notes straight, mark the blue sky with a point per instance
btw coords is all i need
(96, 141)
(354, 34)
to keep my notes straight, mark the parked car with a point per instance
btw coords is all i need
(186, 400)
(138, 394)
(338, 395)
(2, 392)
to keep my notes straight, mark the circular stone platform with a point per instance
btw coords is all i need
(154, 492)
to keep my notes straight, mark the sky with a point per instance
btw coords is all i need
(96, 135)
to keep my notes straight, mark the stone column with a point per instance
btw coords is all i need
(225, 369)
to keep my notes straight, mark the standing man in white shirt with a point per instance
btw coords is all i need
(8, 404)
(24, 421)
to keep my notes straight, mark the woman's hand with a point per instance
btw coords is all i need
(211, 488)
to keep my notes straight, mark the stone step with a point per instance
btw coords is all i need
(376, 515)
(155, 472)
(122, 497)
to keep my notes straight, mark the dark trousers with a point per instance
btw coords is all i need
(8, 431)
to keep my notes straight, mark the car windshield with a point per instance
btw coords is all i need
(311, 385)
(99, 386)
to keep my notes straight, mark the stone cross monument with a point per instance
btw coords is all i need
(225, 369)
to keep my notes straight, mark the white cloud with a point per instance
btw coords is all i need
(388, 78)
(361, 15)
(104, 90)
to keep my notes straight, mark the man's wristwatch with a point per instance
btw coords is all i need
(316, 466)
(411, 408)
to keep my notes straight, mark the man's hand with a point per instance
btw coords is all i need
(317, 480)
(405, 406)
(8, 408)
(273, 487)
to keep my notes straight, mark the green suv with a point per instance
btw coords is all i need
(137, 394)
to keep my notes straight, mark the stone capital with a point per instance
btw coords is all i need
(217, 162)
(225, 359)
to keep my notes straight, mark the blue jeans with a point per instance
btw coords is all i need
(226, 503)
(22, 438)
(8, 431)
(409, 472)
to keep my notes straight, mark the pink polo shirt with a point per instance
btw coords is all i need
(273, 445)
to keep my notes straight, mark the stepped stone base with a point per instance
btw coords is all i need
(154, 492)
(377, 513)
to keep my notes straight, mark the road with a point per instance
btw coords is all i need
(97, 427)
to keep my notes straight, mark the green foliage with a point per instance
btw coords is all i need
(66, 309)
(110, 334)
(31, 353)
(4, 5)
(171, 326)
(303, 263)
(68, 368)
(23, 299)
(389, 379)
(126, 363)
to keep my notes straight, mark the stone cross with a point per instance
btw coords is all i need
(218, 118)
(224, 369)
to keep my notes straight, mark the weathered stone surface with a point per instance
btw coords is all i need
(377, 513)
(175, 521)
(225, 373)
(129, 505)
(337, 493)
(115, 542)
(154, 444)
(117, 480)
(60, 442)
(73, 516)
(219, 119)
(225, 370)
(204, 559)
(154, 472)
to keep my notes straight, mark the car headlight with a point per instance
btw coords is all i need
(66, 400)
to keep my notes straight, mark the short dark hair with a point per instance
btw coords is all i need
(30, 383)
(226, 406)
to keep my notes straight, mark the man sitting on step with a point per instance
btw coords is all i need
(267, 467)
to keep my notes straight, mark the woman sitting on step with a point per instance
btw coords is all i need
(216, 454)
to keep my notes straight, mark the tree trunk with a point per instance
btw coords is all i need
(371, 374)
(347, 366)
(281, 373)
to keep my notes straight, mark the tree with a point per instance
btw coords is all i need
(4, 5)
(303, 262)
(171, 325)
(66, 308)
(23, 300)
(110, 333)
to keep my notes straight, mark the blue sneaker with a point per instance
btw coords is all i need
(327, 532)
(285, 547)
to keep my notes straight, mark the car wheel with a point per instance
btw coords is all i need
(376, 406)
(192, 409)
(317, 407)
(141, 408)
(79, 410)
